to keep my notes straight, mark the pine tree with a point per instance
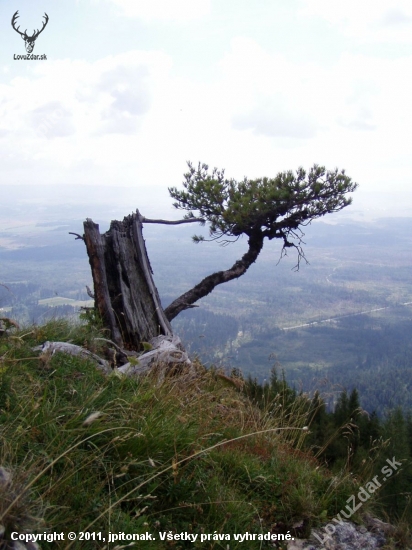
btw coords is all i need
(262, 208)
(396, 491)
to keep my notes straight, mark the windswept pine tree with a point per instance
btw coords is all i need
(262, 208)
(259, 209)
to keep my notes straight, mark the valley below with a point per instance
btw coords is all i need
(341, 321)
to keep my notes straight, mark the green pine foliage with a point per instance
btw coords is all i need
(274, 207)
(396, 496)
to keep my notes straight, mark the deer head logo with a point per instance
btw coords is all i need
(29, 40)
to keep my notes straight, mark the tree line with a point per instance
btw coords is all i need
(348, 438)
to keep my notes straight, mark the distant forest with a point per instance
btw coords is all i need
(368, 353)
(243, 324)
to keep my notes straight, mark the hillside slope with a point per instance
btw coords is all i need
(156, 455)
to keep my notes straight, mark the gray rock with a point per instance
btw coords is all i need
(300, 545)
(6, 484)
(5, 476)
(346, 536)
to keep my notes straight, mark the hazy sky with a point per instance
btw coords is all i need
(132, 89)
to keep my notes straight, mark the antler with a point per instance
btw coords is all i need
(13, 21)
(24, 34)
(46, 17)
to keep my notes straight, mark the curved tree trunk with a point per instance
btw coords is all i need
(206, 286)
(125, 294)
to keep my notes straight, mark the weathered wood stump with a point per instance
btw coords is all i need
(124, 291)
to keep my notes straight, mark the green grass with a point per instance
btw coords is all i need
(93, 453)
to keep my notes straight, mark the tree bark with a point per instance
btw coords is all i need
(125, 294)
(206, 286)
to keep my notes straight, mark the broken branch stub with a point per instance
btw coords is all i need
(125, 294)
(167, 353)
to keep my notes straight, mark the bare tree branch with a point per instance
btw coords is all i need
(90, 293)
(77, 236)
(173, 222)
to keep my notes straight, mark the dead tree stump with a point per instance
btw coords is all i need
(124, 291)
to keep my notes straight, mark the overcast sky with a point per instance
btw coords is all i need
(132, 89)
